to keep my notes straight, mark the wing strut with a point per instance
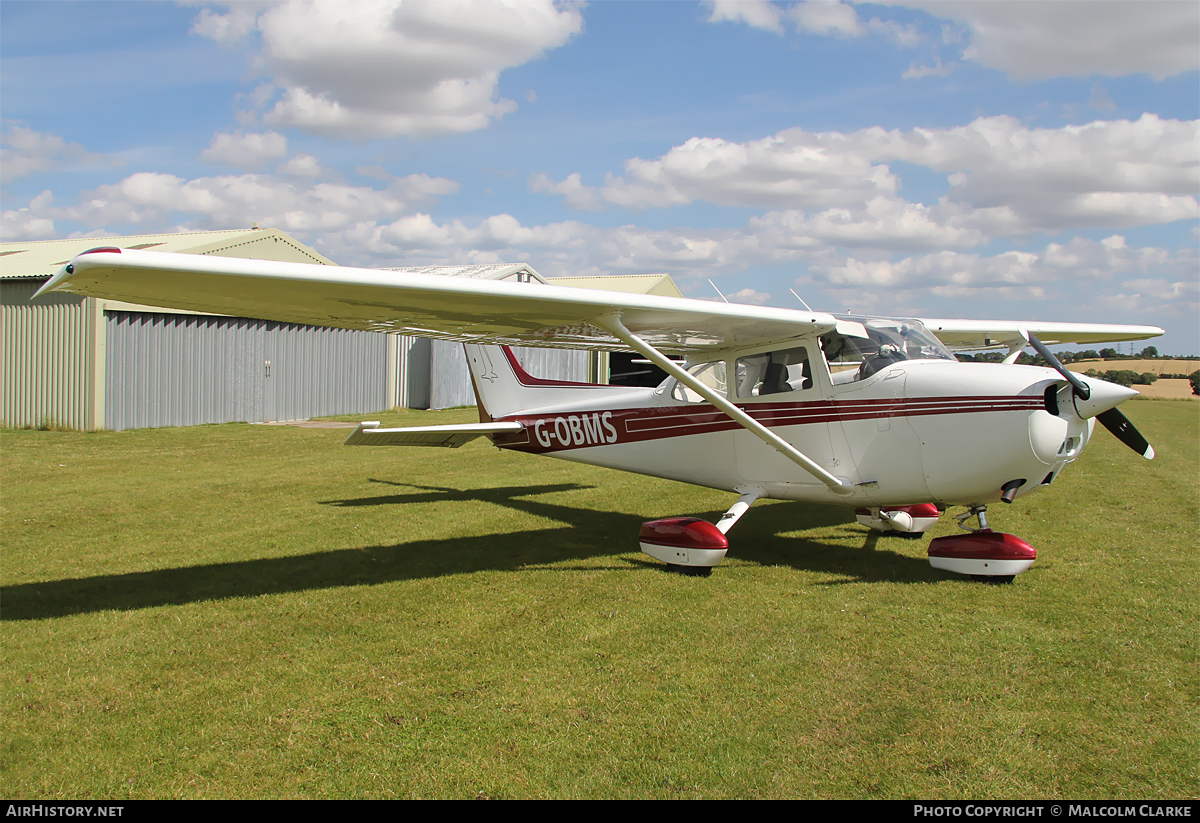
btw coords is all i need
(612, 323)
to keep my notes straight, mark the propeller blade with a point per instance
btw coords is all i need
(1124, 431)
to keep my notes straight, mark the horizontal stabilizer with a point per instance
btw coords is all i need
(369, 434)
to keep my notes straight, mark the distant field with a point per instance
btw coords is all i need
(1168, 389)
(256, 611)
(1139, 366)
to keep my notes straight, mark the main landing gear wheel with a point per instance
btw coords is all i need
(687, 545)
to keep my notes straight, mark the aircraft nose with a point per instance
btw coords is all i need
(1104, 396)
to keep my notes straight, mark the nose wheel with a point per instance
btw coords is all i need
(984, 555)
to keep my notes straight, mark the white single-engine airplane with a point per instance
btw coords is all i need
(867, 412)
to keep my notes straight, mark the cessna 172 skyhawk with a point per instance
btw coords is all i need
(866, 412)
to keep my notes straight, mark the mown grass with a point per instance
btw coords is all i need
(251, 611)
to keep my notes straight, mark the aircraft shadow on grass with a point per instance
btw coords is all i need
(772, 536)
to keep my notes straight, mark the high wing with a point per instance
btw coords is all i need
(466, 310)
(969, 335)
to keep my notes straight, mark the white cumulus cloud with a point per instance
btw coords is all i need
(1012, 274)
(1063, 38)
(828, 17)
(231, 27)
(295, 204)
(302, 165)
(1003, 178)
(1153, 298)
(758, 14)
(245, 151)
(32, 222)
(794, 168)
(754, 298)
(25, 151)
(1026, 40)
(382, 68)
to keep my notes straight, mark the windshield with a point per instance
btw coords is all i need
(861, 346)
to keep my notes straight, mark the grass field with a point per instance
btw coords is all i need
(253, 611)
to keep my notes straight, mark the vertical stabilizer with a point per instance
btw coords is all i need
(503, 387)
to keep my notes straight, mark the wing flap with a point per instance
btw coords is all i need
(451, 436)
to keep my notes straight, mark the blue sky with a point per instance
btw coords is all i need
(964, 159)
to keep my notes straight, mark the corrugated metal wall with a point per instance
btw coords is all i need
(46, 374)
(183, 370)
(554, 364)
(450, 381)
(155, 369)
(410, 382)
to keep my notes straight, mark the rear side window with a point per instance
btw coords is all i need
(777, 372)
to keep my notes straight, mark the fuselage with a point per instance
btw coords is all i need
(920, 430)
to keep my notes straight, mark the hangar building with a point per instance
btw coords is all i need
(89, 363)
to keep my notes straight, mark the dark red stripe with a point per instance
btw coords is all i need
(642, 424)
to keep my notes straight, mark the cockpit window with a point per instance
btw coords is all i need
(775, 372)
(710, 374)
(863, 346)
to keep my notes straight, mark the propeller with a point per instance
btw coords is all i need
(1124, 431)
(1098, 401)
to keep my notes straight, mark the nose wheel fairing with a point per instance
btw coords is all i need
(984, 553)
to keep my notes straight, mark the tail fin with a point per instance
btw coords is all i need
(503, 387)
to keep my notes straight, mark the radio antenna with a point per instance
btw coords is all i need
(798, 297)
(718, 291)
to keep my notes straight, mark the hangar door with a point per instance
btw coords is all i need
(184, 370)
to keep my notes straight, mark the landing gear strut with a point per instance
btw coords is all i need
(979, 511)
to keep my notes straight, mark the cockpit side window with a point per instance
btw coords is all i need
(774, 373)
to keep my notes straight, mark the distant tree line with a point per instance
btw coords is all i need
(1123, 377)
(1148, 353)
